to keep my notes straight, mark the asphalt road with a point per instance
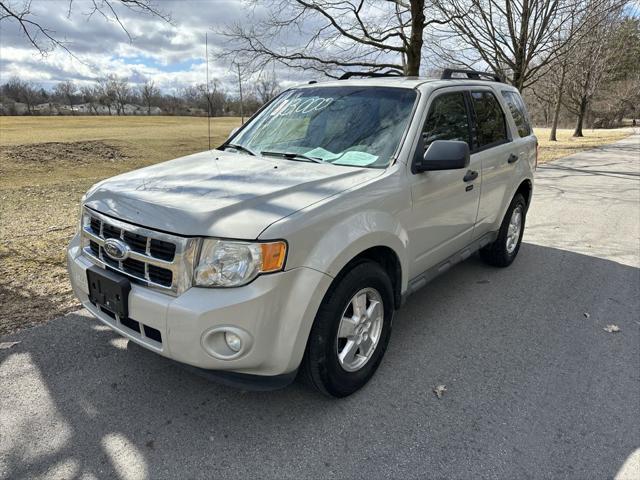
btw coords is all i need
(535, 388)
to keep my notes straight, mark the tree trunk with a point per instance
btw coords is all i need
(556, 112)
(580, 120)
(518, 79)
(414, 50)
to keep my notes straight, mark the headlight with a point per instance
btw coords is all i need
(83, 218)
(226, 263)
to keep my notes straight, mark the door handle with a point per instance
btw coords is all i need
(470, 176)
(513, 158)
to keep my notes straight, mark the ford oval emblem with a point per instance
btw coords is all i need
(116, 249)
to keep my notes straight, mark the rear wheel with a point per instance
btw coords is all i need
(351, 331)
(502, 252)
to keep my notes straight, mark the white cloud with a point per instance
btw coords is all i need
(170, 54)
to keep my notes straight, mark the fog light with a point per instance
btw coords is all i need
(233, 341)
(226, 342)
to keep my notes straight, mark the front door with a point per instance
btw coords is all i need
(445, 203)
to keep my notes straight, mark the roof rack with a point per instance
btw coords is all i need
(447, 74)
(388, 73)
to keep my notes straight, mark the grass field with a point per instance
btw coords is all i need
(566, 144)
(47, 163)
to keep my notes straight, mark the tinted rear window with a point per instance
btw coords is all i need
(491, 126)
(518, 112)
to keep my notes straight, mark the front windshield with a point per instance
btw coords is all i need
(356, 126)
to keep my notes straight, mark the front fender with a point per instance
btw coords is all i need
(333, 247)
(326, 236)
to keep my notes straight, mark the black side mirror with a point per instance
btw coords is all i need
(443, 155)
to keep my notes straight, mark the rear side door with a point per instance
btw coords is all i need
(445, 203)
(493, 150)
(525, 143)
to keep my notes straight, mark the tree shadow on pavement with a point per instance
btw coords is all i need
(535, 389)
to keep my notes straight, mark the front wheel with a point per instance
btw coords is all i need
(502, 252)
(351, 331)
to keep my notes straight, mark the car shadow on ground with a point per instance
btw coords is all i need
(535, 389)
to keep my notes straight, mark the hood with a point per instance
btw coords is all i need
(220, 194)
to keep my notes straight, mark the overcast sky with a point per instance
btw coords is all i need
(170, 54)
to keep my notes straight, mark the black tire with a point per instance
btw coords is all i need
(496, 253)
(320, 367)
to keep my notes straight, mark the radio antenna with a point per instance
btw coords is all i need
(241, 103)
(206, 53)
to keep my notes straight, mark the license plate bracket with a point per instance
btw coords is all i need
(109, 290)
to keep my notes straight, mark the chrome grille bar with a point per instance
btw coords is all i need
(180, 267)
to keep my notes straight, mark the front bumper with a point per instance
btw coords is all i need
(276, 311)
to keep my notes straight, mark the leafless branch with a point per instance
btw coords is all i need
(45, 40)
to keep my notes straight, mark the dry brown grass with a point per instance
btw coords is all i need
(47, 163)
(566, 144)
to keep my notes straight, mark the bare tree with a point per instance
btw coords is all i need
(332, 37)
(618, 100)
(172, 104)
(22, 91)
(559, 92)
(517, 39)
(91, 95)
(30, 95)
(540, 101)
(149, 93)
(67, 90)
(122, 91)
(619, 94)
(43, 39)
(209, 98)
(106, 92)
(594, 60)
(557, 70)
(267, 87)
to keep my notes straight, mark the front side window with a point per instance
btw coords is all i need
(491, 128)
(518, 112)
(354, 126)
(447, 119)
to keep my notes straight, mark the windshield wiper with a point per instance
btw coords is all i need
(293, 156)
(239, 147)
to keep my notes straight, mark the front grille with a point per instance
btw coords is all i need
(95, 248)
(156, 259)
(163, 250)
(135, 267)
(162, 275)
(138, 243)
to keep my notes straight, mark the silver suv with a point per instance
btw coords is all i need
(287, 249)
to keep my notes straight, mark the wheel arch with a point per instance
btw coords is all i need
(526, 189)
(384, 256)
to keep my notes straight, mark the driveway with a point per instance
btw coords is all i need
(536, 388)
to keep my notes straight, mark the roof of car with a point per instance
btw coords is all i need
(402, 82)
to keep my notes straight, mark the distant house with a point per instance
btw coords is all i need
(53, 108)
